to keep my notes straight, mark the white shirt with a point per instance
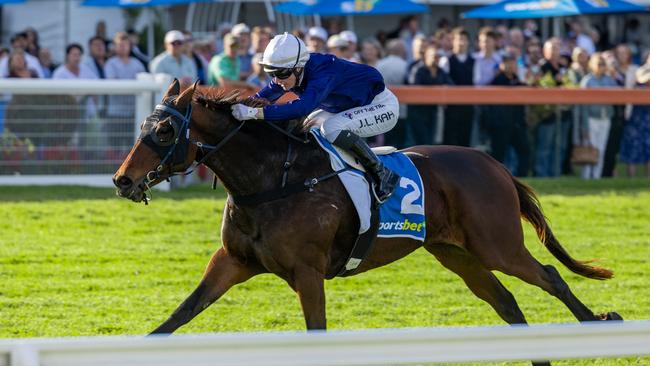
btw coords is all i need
(586, 43)
(62, 72)
(32, 64)
(393, 69)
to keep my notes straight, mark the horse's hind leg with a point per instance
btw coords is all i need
(528, 269)
(481, 282)
(222, 273)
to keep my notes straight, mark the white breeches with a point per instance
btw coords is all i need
(378, 117)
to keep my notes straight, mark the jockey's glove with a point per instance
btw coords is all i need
(243, 112)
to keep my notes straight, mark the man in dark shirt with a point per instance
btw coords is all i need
(459, 118)
(506, 123)
(423, 118)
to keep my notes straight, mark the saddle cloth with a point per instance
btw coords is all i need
(403, 214)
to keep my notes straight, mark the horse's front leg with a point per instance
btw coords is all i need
(309, 284)
(223, 272)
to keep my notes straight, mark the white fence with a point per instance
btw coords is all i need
(366, 347)
(71, 131)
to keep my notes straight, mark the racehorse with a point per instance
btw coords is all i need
(473, 210)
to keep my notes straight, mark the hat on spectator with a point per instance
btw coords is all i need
(348, 36)
(230, 39)
(173, 36)
(336, 41)
(317, 32)
(643, 74)
(239, 29)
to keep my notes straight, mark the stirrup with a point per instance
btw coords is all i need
(374, 193)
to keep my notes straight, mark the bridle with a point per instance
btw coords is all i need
(175, 150)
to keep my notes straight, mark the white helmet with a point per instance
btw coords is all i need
(285, 51)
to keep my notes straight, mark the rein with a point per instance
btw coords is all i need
(183, 140)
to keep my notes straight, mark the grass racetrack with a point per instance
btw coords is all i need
(80, 261)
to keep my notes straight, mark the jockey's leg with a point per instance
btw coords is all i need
(346, 128)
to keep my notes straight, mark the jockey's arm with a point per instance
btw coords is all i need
(272, 92)
(308, 101)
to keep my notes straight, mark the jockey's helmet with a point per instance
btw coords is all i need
(284, 53)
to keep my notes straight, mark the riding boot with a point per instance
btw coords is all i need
(384, 179)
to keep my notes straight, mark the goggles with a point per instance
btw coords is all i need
(281, 73)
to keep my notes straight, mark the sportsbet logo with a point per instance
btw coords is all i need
(402, 225)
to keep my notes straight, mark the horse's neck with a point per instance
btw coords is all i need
(253, 160)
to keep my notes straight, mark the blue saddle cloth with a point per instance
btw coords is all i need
(402, 215)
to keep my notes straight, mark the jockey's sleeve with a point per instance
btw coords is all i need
(271, 92)
(309, 100)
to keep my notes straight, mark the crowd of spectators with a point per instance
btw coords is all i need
(524, 138)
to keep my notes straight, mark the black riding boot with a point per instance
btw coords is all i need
(385, 180)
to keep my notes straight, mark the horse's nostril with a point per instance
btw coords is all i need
(123, 182)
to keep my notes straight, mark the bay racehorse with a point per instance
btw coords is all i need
(473, 210)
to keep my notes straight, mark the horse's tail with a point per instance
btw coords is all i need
(531, 211)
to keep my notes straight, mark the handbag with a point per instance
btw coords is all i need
(584, 155)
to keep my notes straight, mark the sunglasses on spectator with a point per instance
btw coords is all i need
(177, 43)
(281, 74)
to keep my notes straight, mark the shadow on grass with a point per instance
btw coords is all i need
(555, 186)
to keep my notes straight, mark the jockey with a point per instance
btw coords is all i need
(346, 100)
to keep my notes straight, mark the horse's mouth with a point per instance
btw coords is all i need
(135, 194)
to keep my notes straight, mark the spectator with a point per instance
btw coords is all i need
(121, 108)
(635, 145)
(393, 70)
(260, 38)
(579, 66)
(531, 62)
(459, 118)
(443, 39)
(547, 162)
(371, 52)
(173, 62)
(19, 43)
(316, 40)
(4, 53)
(393, 66)
(583, 40)
(205, 50)
(596, 119)
(73, 68)
(507, 123)
(423, 118)
(45, 59)
(134, 40)
(100, 31)
(222, 30)
(18, 66)
(190, 51)
(259, 78)
(516, 37)
(97, 57)
(486, 61)
(337, 46)
(243, 34)
(420, 45)
(408, 28)
(351, 51)
(224, 68)
(33, 47)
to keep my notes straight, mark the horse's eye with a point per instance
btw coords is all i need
(164, 131)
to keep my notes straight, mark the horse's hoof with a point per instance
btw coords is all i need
(612, 315)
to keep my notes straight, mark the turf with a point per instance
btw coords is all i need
(80, 261)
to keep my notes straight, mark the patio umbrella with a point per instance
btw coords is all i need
(527, 9)
(350, 7)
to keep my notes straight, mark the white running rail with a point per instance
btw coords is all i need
(365, 347)
(55, 131)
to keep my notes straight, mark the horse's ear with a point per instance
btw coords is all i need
(174, 89)
(186, 97)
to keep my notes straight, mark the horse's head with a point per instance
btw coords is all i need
(163, 147)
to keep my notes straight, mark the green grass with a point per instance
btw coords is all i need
(80, 261)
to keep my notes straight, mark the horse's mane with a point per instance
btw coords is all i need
(219, 100)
